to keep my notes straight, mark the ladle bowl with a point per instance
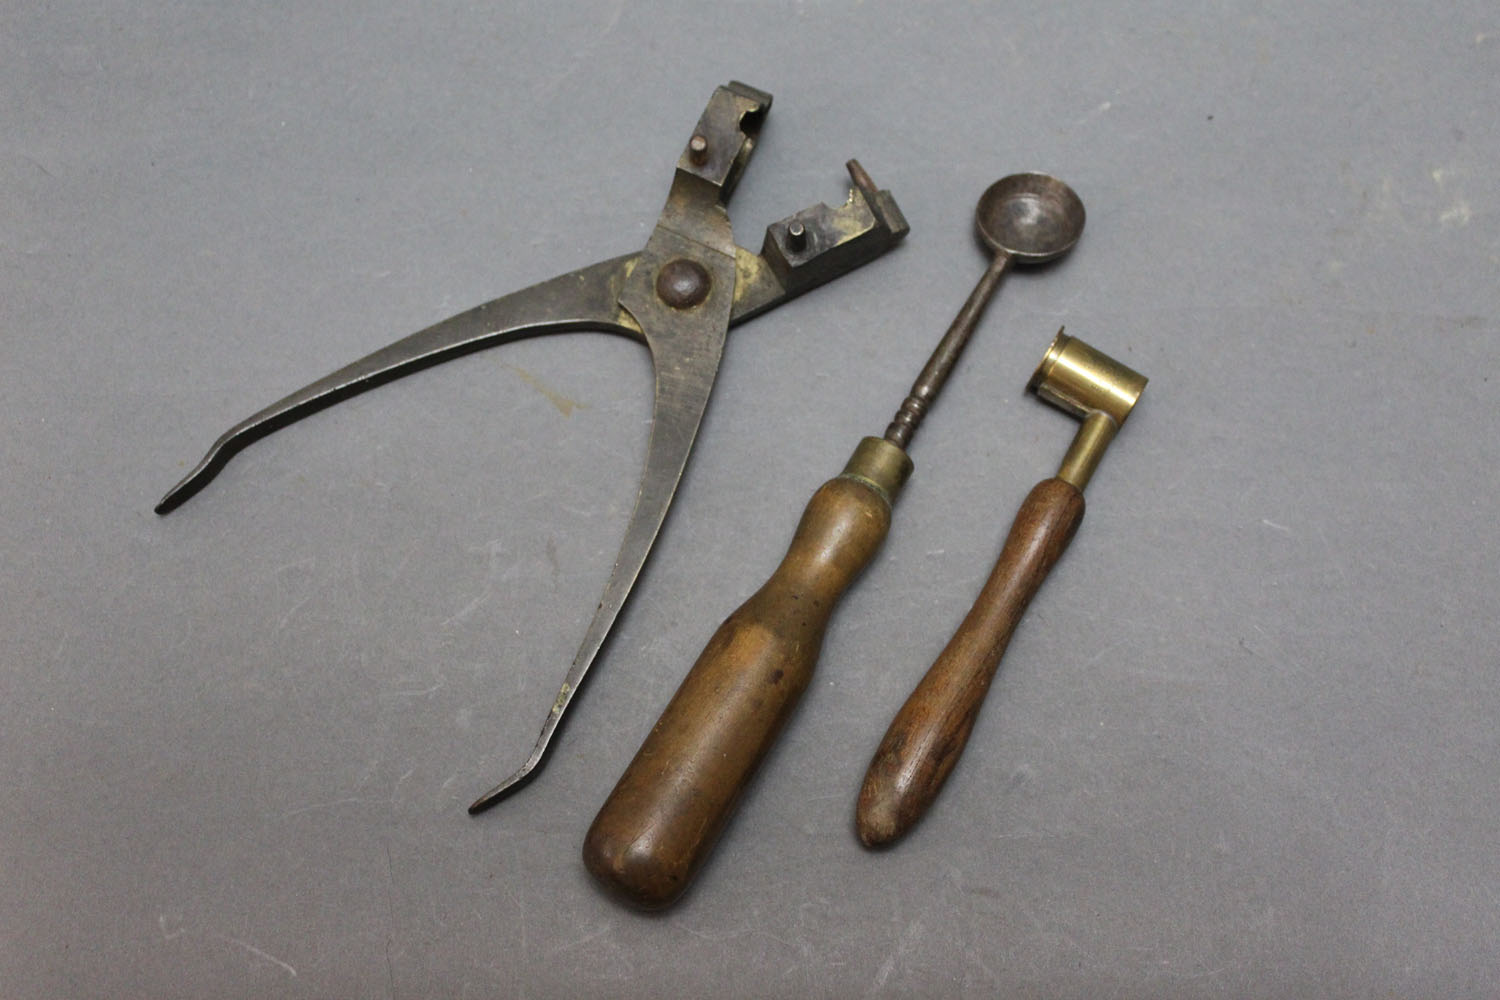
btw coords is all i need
(1030, 217)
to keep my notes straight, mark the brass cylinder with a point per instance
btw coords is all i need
(883, 466)
(1079, 379)
(1088, 384)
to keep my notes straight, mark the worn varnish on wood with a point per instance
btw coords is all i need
(668, 809)
(928, 735)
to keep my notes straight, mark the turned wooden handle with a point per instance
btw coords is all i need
(665, 814)
(928, 734)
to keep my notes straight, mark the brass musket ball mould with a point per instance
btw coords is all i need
(930, 731)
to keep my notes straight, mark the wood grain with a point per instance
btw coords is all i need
(928, 734)
(668, 809)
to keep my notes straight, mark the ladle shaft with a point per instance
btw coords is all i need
(930, 382)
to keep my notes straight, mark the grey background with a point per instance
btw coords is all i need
(1243, 745)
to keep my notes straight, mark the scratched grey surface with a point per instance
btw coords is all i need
(1245, 743)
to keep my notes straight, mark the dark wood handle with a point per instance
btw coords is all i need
(928, 734)
(665, 814)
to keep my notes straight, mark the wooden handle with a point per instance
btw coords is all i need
(663, 817)
(928, 734)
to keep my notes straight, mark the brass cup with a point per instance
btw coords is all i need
(1093, 386)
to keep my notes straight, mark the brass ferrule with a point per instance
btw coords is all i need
(881, 465)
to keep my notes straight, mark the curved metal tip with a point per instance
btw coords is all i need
(528, 770)
(205, 470)
(229, 444)
(502, 791)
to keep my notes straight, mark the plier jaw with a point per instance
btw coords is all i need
(679, 294)
(725, 137)
(817, 245)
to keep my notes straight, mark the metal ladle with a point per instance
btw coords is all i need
(1031, 218)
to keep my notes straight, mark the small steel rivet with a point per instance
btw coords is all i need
(698, 149)
(682, 283)
(796, 236)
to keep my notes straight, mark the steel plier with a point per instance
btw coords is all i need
(679, 295)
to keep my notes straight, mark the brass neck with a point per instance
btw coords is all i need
(1087, 449)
